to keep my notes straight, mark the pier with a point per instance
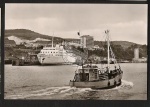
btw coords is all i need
(30, 60)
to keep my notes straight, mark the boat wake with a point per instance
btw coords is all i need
(65, 91)
(50, 92)
(125, 85)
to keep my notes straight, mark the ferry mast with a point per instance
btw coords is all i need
(52, 40)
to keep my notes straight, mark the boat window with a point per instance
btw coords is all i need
(80, 70)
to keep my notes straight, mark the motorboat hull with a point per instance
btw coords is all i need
(98, 84)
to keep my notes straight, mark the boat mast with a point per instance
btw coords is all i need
(52, 39)
(108, 50)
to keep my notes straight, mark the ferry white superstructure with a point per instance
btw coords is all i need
(56, 55)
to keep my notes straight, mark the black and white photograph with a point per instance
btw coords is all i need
(75, 51)
(0, 51)
(128, 0)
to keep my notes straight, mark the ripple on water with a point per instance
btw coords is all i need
(68, 91)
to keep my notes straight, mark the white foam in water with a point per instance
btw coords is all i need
(125, 85)
(66, 90)
(23, 96)
(84, 89)
(47, 91)
(50, 91)
(70, 89)
(128, 83)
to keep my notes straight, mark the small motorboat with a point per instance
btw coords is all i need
(95, 77)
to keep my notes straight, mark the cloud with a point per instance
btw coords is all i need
(125, 21)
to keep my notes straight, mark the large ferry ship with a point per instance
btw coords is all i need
(56, 55)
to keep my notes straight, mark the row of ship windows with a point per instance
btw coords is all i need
(49, 49)
(54, 55)
(49, 52)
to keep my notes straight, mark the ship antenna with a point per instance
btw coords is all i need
(52, 39)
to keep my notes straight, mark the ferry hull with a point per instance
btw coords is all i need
(98, 84)
(45, 60)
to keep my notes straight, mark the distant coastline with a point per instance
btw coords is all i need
(122, 49)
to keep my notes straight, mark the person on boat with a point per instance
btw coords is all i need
(87, 77)
(77, 77)
(120, 71)
(107, 70)
(115, 71)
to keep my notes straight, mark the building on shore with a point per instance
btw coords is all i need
(136, 53)
(41, 43)
(96, 47)
(136, 58)
(87, 41)
(140, 60)
(71, 42)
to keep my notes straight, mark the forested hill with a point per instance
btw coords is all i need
(31, 35)
(124, 44)
(122, 49)
(25, 34)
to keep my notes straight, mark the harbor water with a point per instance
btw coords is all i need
(52, 82)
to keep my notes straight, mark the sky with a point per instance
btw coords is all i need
(126, 22)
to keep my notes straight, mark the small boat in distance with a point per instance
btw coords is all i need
(92, 76)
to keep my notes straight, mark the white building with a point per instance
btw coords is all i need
(136, 53)
(136, 57)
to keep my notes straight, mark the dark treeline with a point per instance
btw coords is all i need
(120, 52)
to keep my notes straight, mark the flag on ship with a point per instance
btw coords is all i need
(106, 31)
(79, 33)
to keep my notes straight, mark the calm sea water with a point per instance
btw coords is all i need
(52, 82)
